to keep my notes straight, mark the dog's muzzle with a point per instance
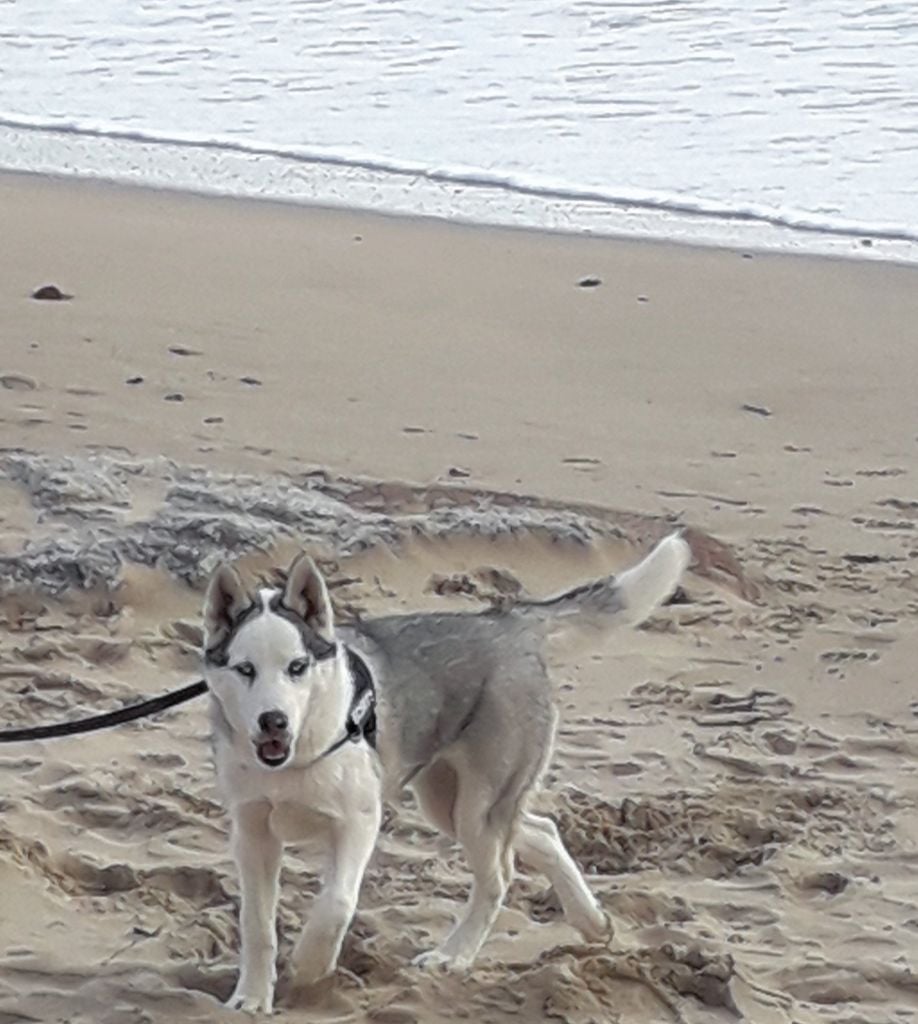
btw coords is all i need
(272, 745)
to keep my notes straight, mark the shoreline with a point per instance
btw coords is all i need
(862, 248)
(863, 254)
(241, 171)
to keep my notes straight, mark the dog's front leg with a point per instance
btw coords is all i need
(258, 856)
(316, 953)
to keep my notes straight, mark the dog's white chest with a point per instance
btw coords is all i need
(296, 822)
(307, 805)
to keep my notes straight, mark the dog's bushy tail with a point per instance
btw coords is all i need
(623, 600)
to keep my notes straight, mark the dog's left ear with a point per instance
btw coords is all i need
(307, 595)
(226, 601)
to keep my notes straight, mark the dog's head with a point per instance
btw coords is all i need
(265, 653)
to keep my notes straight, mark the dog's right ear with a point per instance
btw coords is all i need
(307, 596)
(225, 602)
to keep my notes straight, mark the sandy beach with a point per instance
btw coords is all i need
(441, 413)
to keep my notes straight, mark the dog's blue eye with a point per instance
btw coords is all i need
(298, 667)
(246, 669)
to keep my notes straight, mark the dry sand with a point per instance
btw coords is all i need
(738, 778)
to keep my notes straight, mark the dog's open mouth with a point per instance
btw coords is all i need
(273, 752)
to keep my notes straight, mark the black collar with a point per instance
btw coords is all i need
(360, 723)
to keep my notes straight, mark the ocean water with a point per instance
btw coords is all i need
(777, 123)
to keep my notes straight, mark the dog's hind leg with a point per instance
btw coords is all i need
(435, 789)
(258, 856)
(539, 845)
(316, 952)
(485, 829)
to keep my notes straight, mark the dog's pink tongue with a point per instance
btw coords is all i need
(273, 749)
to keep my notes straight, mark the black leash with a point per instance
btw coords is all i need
(360, 723)
(94, 722)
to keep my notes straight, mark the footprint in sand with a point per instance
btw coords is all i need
(83, 392)
(885, 471)
(394, 1014)
(17, 382)
(840, 656)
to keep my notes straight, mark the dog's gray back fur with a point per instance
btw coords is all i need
(439, 674)
(452, 679)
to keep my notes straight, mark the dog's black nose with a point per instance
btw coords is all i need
(272, 721)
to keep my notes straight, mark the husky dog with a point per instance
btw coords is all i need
(463, 714)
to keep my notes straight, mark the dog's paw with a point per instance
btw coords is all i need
(436, 960)
(303, 983)
(597, 926)
(431, 960)
(249, 1001)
